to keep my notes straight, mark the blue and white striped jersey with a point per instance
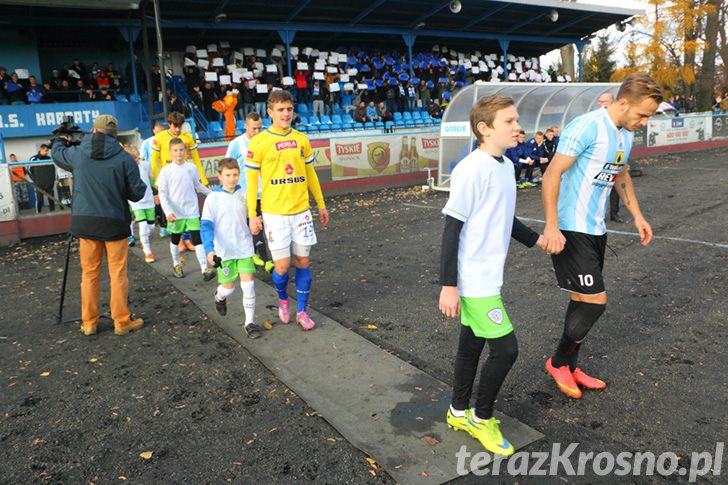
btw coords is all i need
(601, 151)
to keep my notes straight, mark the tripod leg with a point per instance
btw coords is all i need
(62, 293)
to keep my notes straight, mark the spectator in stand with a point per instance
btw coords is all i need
(261, 100)
(434, 110)
(34, 92)
(49, 93)
(332, 101)
(391, 95)
(15, 90)
(44, 177)
(65, 93)
(423, 92)
(360, 113)
(114, 77)
(89, 95)
(383, 113)
(56, 79)
(347, 101)
(4, 78)
(318, 93)
(156, 82)
(102, 80)
(372, 113)
(247, 99)
(176, 104)
(79, 68)
(196, 97)
(106, 95)
(302, 93)
(209, 96)
(95, 70)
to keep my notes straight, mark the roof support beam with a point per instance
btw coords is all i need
(485, 16)
(526, 22)
(566, 25)
(367, 11)
(297, 10)
(428, 14)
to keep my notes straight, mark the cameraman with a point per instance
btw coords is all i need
(106, 177)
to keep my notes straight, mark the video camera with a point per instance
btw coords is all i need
(67, 130)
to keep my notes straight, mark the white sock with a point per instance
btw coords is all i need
(222, 292)
(131, 227)
(201, 257)
(475, 417)
(456, 412)
(174, 250)
(248, 300)
(144, 230)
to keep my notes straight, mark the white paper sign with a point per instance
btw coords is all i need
(248, 51)
(476, 70)
(334, 87)
(224, 44)
(294, 51)
(331, 70)
(307, 51)
(211, 48)
(320, 66)
(238, 56)
(271, 68)
(237, 76)
(352, 72)
(276, 53)
(201, 53)
(260, 53)
(261, 88)
(218, 62)
(189, 62)
(319, 76)
(203, 63)
(342, 58)
(362, 86)
(287, 81)
(231, 67)
(302, 66)
(344, 78)
(211, 76)
(225, 80)
(190, 49)
(251, 84)
(349, 86)
(259, 66)
(247, 75)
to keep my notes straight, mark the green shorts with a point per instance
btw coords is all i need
(230, 269)
(181, 225)
(486, 316)
(144, 215)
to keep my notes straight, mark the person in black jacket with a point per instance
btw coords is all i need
(105, 179)
(44, 177)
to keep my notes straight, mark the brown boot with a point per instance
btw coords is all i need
(124, 328)
(88, 329)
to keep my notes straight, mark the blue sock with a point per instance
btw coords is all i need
(303, 287)
(280, 281)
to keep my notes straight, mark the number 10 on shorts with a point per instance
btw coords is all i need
(586, 280)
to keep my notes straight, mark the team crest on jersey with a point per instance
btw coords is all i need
(286, 144)
(226, 271)
(270, 236)
(496, 314)
(250, 154)
(619, 159)
(289, 169)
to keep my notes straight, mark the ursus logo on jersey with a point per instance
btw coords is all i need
(286, 144)
(496, 315)
(289, 169)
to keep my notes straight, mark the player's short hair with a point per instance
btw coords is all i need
(175, 118)
(131, 150)
(549, 130)
(538, 133)
(252, 116)
(279, 96)
(175, 141)
(521, 132)
(485, 110)
(640, 85)
(229, 163)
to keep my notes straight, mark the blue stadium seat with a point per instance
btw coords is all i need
(314, 120)
(324, 127)
(302, 128)
(122, 97)
(378, 124)
(388, 125)
(325, 119)
(409, 123)
(368, 125)
(267, 122)
(419, 122)
(417, 115)
(397, 116)
(302, 108)
(358, 126)
(399, 123)
(407, 115)
(336, 127)
(304, 120)
(337, 119)
(214, 126)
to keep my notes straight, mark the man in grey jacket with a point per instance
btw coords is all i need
(105, 178)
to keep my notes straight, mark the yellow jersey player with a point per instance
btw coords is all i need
(161, 156)
(284, 159)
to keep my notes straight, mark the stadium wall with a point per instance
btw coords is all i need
(19, 51)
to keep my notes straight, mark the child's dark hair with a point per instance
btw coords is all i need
(229, 163)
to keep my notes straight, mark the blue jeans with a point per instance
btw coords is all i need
(260, 108)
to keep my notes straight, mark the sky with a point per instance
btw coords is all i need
(554, 56)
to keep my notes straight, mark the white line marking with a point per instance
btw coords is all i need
(623, 233)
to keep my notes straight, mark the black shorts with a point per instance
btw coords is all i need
(579, 266)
